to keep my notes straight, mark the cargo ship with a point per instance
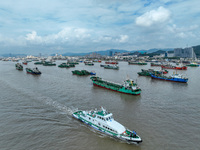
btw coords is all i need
(111, 62)
(173, 67)
(33, 71)
(155, 64)
(116, 67)
(136, 63)
(151, 71)
(83, 72)
(65, 65)
(129, 86)
(48, 63)
(193, 65)
(174, 78)
(103, 121)
(19, 66)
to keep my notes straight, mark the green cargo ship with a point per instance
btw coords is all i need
(81, 73)
(136, 63)
(46, 63)
(129, 86)
(65, 65)
(193, 65)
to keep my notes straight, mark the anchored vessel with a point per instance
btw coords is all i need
(174, 77)
(136, 63)
(156, 64)
(47, 63)
(89, 63)
(103, 121)
(111, 62)
(151, 71)
(39, 63)
(193, 65)
(25, 62)
(65, 65)
(173, 67)
(83, 72)
(129, 86)
(116, 67)
(19, 66)
(34, 71)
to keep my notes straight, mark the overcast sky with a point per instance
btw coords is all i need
(59, 26)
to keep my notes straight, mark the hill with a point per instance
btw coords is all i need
(97, 52)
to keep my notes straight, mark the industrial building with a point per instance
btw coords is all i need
(185, 53)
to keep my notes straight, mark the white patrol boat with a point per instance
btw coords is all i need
(103, 121)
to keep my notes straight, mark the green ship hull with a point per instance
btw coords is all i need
(131, 88)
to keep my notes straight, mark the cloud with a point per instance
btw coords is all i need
(67, 34)
(123, 38)
(74, 25)
(33, 37)
(183, 32)
(153, 17)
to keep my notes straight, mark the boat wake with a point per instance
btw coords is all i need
(55, 104)
(41, 98)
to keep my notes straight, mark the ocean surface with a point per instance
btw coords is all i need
(36, 111)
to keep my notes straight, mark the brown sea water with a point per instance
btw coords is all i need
(35, 111)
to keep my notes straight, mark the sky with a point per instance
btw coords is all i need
(61, 26)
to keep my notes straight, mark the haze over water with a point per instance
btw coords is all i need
(35, 111)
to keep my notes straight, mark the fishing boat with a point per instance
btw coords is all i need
(72, 62)
(174, 77)
(193, 65)
(101, 65)
(39, 63)
(111, 62)
(48, 63)
(83, 72)
(104, 122)
(66, 65)
(136, 63)
(129, 86)
(116, 67)
(25, 62)
(33, 71)
(19, 66)
(155, 64)
(151, 71)
(89, 63)
(92, 73)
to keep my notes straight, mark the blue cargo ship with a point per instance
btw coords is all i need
(173, 78)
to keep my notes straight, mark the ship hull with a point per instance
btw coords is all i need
(33, 73)
(20, 69)
(130, 93)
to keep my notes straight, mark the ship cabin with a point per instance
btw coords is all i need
(106, 120)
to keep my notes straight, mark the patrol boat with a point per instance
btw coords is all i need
(103, 121)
